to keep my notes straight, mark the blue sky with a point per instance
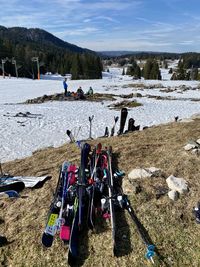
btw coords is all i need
(148, 25)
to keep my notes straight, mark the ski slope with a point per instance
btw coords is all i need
(19, 137)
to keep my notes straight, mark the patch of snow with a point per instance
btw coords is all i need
(18, 141)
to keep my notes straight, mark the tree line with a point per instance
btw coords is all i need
(53, 59)
(150, 71)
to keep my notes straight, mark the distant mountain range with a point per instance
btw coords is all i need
(117, 53)
(124, 53)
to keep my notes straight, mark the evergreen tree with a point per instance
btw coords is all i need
(151, 70)
(170, 71)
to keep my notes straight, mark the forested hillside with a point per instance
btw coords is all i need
(54, 54)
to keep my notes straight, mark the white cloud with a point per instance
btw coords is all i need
(77, 32)
(186, 42)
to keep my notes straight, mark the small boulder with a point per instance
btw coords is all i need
(195, 151)
(173, 195)
(177, 184)
(144, 173)
(127, 187)
(138, 173)
(189, 147)
(198, 141)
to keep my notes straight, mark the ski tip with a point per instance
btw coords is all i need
(115, 251)
(47, 240)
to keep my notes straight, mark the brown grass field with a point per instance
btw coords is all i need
(171, 225)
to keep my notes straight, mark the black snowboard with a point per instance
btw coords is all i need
(124, 113)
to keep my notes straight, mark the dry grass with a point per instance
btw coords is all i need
(171, 225)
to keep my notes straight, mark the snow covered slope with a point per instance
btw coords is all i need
(19, 137)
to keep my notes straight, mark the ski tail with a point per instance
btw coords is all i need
(106, 134)
(71, 136)
(113, 128)
(53, 214)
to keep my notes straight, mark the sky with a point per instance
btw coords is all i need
(130, 25)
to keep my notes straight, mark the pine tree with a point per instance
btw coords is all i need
(151, 70)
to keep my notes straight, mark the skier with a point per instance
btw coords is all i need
(65, 86)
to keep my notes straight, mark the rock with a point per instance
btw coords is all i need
(189, 147)
(195, 151)
(173, 195)
(177, 184)
(193, 143)
(186, 120)
(127, 187)
(198, 141)
(139, 173)
(144, 173)
(154, 171)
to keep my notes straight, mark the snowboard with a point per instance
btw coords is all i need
(124, 113)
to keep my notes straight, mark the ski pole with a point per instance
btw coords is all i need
(90, 120)
(150, 247)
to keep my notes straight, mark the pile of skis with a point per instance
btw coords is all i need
(124, 113)
(84, 192)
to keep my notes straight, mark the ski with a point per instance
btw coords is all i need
(6, 184)
(69, 198)
(53, 215)
(124, 113)
(113, 128)
(80, 205)
(9, 194)
(74, 237)
(107, 190)
(111, 198)
(90, 120)
(106, 134)
(92, 186)
(71, 137)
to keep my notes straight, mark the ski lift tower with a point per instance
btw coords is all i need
(3, 61)
(15, 63)
(36, 59)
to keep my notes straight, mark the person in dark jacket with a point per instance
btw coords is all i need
(90, 91)
(80, 93)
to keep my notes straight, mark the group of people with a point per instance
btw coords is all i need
(79, 93)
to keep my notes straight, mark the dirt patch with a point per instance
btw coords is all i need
(61, 97)
(124, 104)
(131, 95)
